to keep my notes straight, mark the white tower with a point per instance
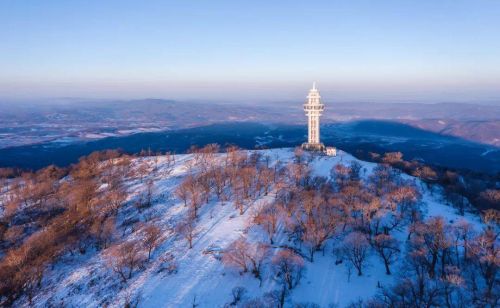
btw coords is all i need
(313, 109)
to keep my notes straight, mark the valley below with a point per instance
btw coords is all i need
(357, 137)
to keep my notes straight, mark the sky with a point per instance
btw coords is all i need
(358, 50)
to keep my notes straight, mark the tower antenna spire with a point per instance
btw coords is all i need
(314, 85)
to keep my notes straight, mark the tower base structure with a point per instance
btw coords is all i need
(319, 147)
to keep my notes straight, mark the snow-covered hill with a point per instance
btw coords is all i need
(178, 276)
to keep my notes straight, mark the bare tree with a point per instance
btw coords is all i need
(405, 200)
(103, 229)
(190, 191)
(167, 263)
(318, 223)
(431, 243)
(268, 218)
(426, 173)
(463, 232)
(151, 239)
(288, 267)
(239, 204)
(219, 178)
(131, 300)
(248, 176)
(392, 158)
(275, 298)
(142, 169)
(235, 157)
(148, 198)
(299, 174)
(246, 256)
(168, 164)
(205, 182)
(486, 256)
(256, 255)
(116, 196)
(298, 154)
(340, 174)
(355, 249)
(355, 170)
(265, 179)
(237, 293)
(236, 254)
(387, 248)
(491, 217)
(182, 192)
(124, 258)
(186, 228)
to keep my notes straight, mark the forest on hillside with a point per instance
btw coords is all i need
(353, 214)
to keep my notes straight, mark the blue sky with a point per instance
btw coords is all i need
(398, 50)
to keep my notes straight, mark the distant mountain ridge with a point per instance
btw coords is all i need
(80, 120)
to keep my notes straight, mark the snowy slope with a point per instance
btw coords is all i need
(85, 281)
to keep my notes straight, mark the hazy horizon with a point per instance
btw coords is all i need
(388, 51)
(290, 101)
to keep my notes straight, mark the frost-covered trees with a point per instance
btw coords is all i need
(318, 224)
(237, 177)
(392, 158)
(288, 268)
(182, 192)
(151, 238)
(142, 169)
(246, 256)
(22, 268)
(387, 247)
(219, 179)
(490, 196)
(102, 229)
(268, 218)
(257, 253)
(149, 193)
(486, 257)
(187, 228)
(191, 192)
(463, 233)
(446, 265)
(442, 264)
(265, 179)
(431, 244)
(340, 175)
(426, 173)
(355, 249)
(146, 195)
(124, 258)
(66, 215)
(298, 174)
(235, 255)
(403, 201)
(491, 217)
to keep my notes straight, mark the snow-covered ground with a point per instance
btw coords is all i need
(85, 281)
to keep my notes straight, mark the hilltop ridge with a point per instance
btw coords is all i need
(250, 211)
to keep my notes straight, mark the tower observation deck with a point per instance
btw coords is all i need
(313, 109)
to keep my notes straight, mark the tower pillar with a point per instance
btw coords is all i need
(313, 109)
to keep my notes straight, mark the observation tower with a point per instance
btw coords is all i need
(313, 109)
